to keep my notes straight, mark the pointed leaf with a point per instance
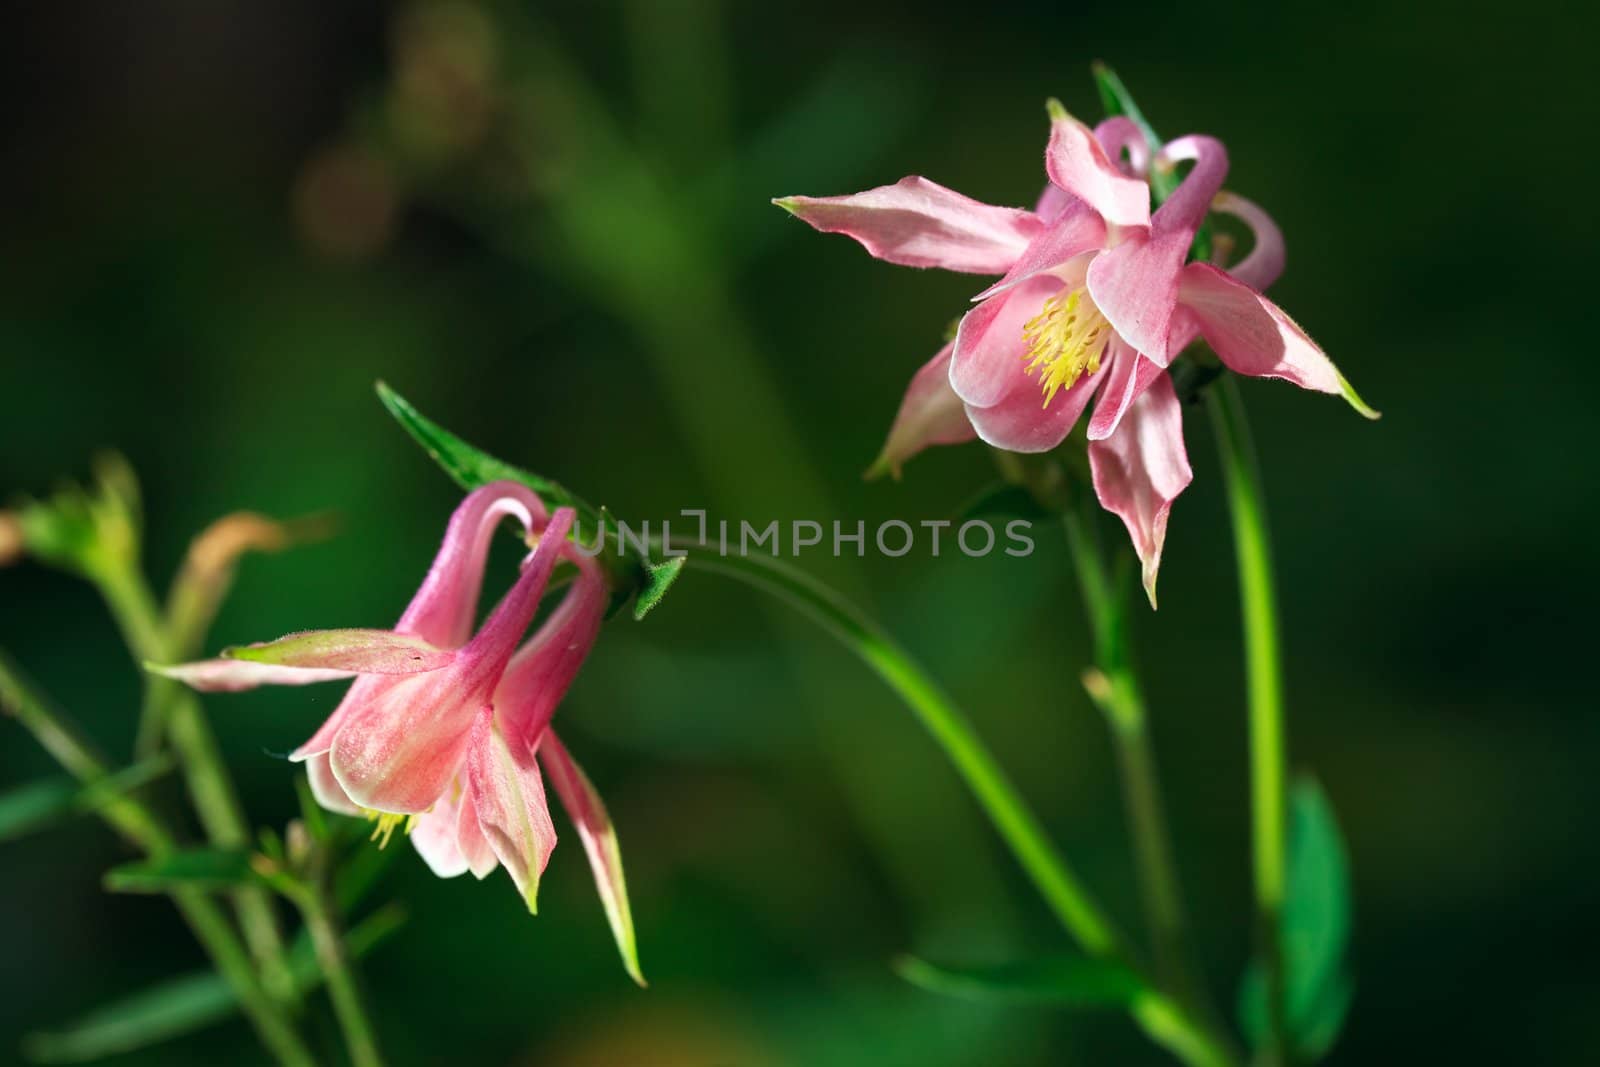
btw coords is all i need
(1079, 981)
(201, 868)
(182, 1005)
(38, 804)
(471, 468)
(1315, 935)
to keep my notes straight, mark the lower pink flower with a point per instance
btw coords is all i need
(445, 730)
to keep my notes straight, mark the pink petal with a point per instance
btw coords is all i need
(326, 788)
(1135, 284)
(508, 795)
(232, 675)
(918, 223)
(588, 814)
(398, 748)
(1118, 134)
(1264, 263)
(1022, 422)
(1053, 202)
(930, 414)
(544, 668)
(1129, 375)
(1077, 163)
(1254, 336)
(1139, 470)
(1185, 209)
(475, 848)
(989, 345)
(434, 838)
(1075, 231)
(446, 604)
(347, 652)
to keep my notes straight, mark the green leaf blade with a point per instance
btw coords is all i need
(203, 868)
(1079, 981)
(185, 1004)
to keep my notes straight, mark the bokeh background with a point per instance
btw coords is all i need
(549, 227)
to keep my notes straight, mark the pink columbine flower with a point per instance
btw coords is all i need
(445, 730)
(1094, 297)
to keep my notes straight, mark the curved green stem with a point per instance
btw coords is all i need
(126, 814)
(1264, 682)
(1167, 1021)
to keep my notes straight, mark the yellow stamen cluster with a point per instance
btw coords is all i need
(1065, 340)
(386, 822)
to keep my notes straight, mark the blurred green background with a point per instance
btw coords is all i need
(549, 228)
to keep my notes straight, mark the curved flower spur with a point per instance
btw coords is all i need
(445, 730)
(1095, 297)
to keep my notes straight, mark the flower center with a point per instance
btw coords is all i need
(386, 822)
(1065, 341)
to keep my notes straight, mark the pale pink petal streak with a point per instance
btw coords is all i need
(235, 675)
(1023, 422)
(1251, 334)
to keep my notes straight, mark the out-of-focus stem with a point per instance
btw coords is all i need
(333, 956)
(174, 710)
(1114, 687)
(1264, 684)
(1167, 1020)
(129, 817)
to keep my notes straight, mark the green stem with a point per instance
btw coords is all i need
(1114, 687)
(316, 905)
(171, 709)
(1268, 747)
(1163, 1018)
(126, 814)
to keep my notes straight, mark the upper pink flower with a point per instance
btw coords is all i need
(1094, 298)
(445, 729)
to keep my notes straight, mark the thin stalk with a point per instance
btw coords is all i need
(127, 815)
(1264, 684)
(1114, 687)
(1167, 1021)
(316, 905)
(177, 712)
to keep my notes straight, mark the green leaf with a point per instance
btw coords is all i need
(1315, 933)
(471, 468)
(1116, 99)
(35, 805)
(182, 1005)
(1079, 981)
(39, 804)
(201, 868)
